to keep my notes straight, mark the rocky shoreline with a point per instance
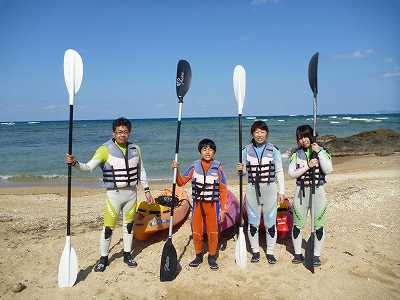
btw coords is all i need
(381, 142)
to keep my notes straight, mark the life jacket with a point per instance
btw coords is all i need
(260, 169)
(205, 186)
(120, 171)
(306, 180)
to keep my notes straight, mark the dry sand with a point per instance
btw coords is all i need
(360, 260)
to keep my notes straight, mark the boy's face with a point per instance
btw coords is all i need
(207, 153)
(121, 135)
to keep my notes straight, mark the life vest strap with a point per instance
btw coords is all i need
(120, 170)
(119, 175)
(120, 180)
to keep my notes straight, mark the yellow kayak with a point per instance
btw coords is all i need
(153, 218)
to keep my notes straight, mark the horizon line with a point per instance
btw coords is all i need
(212, 117)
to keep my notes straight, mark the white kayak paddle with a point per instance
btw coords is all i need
(73, 72)
(239, 86)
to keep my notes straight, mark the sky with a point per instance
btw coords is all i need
(130, 50)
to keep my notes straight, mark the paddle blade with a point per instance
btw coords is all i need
(169, 262)
(73, 73)
(183, 78)
(68, 267)
(240, 250)
(167, 201)
(313, 73)
(309, 253)
(239, 86)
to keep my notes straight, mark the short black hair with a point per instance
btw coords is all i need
(122, 122)
(259, 125)
(304, 131)
(207, 142)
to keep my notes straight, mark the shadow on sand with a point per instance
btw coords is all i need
(138, 247)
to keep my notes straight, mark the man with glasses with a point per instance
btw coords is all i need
(122, 166)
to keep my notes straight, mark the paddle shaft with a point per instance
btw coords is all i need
(178, 134)
(241, 172)
(314, 155)
(71, 117)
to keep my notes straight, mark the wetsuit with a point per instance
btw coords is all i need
(298, 168)
(208, 201)
(122, 168)
(265, 178)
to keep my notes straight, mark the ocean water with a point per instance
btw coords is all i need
(33, 152)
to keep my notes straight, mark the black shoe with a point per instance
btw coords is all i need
(196, 261)
(101, 265)
(256, 257)
(128, 259)
(297, 259)
(316, 262)
(271, 259)
(212, 262)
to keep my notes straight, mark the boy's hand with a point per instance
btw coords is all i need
(221, 216)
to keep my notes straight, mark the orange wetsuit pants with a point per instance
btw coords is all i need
(205, 216)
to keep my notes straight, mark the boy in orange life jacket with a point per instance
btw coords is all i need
(209, 193)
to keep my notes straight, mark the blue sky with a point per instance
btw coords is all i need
(130, 50)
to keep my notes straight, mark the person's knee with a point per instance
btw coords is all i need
(197, 236)
(107, 232)
(253, 230)
(319, 233)
(129, 227)
(212, 234)
(271, 231)
(110, 215)
(296, 231)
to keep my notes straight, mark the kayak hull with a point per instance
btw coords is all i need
(284, 219)
(232, 216)
(151, 219)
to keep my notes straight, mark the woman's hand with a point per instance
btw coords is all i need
(239, 167)
(174, 164)
(313, 163)
(281, 198)
(315, 147)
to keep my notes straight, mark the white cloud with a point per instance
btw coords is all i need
(263, 2)
(392, 73)
(358, 54)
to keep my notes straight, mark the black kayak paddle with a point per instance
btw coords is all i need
(169, 260)
(312, 79)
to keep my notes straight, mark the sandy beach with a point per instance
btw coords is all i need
(360, 260)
